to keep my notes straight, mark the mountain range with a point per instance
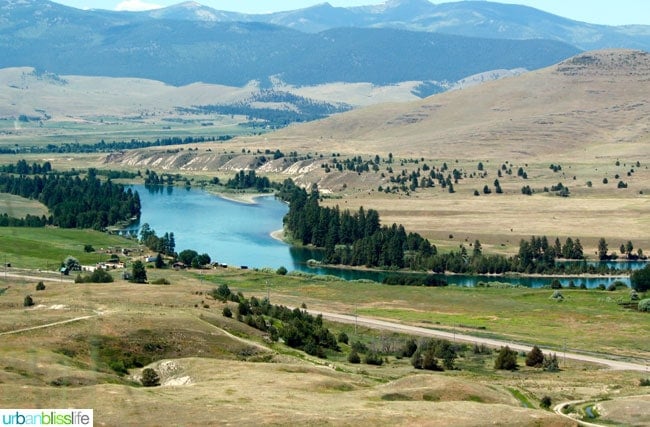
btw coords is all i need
(464, 18)
(189, 43)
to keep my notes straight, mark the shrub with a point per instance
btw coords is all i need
(644, 382)
(409, 348)
(161, 281)
(40, 286)
(641, 279)
(551, 363)
(644, 305)
(282, 271)
(545, 403)
(535, 357)
(557, 295)
(353, 357)
(28, 301)
(359, 347)
(373, 358)
(506, 359)
(97, 276)
(221, 293)
(227, 312)
(150, 378)
(343, 337)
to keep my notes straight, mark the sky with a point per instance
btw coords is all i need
(608, 12)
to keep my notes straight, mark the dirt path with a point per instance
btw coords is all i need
(49, 325)
(560, 406)
(417, 330)
(36, 278)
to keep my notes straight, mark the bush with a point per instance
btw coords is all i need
(506, 359)
(535, 357)
(227, 312)
(641, 279)
(409, 348)
(545, 403)
(373, 358)
(557, 295)
(221, 293)
(28, 301)
(644, 382)
(353, 357)
(644, 305)
(97, 276)
(40, 286)
(161, 281)
(343, 337)
(551, 363)
(359, 347)
(150, 378)
(282, 271)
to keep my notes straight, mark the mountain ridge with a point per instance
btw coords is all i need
(68, 41)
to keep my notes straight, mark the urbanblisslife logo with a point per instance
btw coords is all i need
(46, 417)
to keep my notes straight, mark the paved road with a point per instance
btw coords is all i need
(417, 330)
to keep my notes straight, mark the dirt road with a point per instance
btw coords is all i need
(417, 330)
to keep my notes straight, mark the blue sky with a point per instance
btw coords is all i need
(610, 12)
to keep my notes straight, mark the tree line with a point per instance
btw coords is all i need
(73, 202)
(359, 239)
(106, 147)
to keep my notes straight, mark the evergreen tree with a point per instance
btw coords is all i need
(535, 357)
(506, 359)
(150, 378)
(138, 272)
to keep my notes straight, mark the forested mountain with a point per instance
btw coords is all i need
(65, 40)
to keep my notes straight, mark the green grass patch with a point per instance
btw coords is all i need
(523, 400)
(47, 247)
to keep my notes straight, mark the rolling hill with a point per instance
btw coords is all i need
(592, 100)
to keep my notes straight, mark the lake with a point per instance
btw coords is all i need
(239, 234)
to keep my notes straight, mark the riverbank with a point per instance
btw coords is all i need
(245, 198)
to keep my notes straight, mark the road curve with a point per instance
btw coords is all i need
(452, 336)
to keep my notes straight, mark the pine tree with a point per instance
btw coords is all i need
(535, 357)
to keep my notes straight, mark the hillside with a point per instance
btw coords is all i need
(587, 102)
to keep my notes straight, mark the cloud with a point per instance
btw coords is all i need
(136, 5)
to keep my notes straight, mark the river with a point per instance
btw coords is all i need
(239, 234)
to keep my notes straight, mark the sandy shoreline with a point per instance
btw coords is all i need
(246, 198)
(278, 235)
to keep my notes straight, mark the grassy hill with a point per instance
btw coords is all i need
(595, 102)
(210, 365)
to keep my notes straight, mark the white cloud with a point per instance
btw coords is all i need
(136, 5)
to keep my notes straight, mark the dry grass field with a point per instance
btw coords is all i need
(216, 370)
